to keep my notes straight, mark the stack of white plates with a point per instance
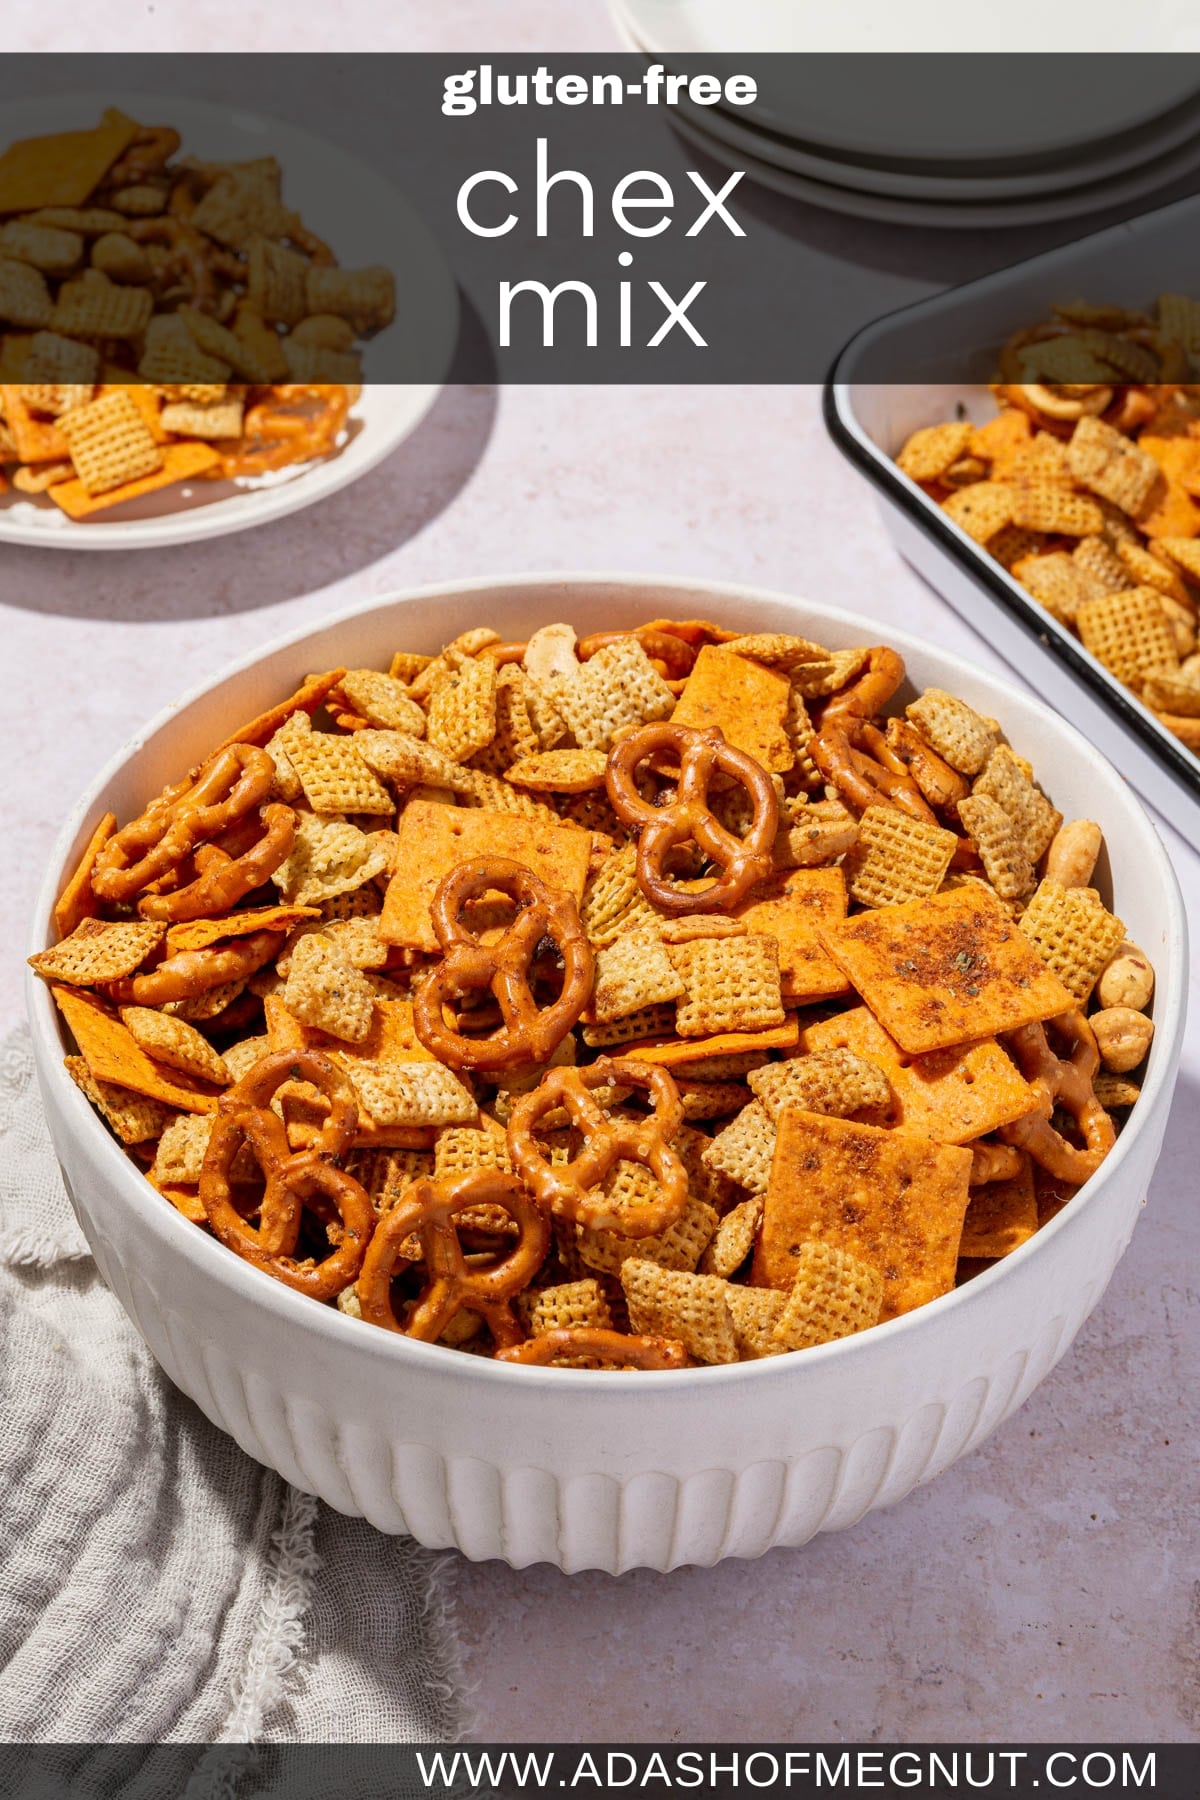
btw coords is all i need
(910, 141)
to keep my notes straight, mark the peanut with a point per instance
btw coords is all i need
(1122, 1037)
(1071, 857)
(1128, 980)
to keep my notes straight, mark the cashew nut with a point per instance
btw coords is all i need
(1071, 858)
(1122, 1037)
(1128, 980)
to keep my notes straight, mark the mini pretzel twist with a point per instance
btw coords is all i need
(615, 1347)
(1066, 1083)
(571, 1190)
(192, 972)
(226, 789)
(688, 818)
(429, 1208)
(866, 780)
(244, 1116)
(530, 1033)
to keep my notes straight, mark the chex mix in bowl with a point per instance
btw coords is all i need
(1086, 487)
(634, 1002)
(165, 320)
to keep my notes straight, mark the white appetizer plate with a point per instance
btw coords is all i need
(382, 227)
(593, 1469)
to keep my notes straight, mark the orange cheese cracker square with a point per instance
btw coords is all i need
(180, 463)
(434, 839)
(673, 1051)
(895, 1202)
(77, 901)
(110, 1052)
(789, 907)
(61, 170)
(951, 1096)
(1001, 1216)
(945, 970)
(748, 702)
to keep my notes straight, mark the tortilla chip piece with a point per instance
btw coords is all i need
(109, 1050)
(952, 1096)
(789, 907)
(435, 839)
(62, 169)
(748, 701)
(180, 463)
(894, 1202)
(198, 934)
(1001, 1216)
(77, 901)
(947, 970)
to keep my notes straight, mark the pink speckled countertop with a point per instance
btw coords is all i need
(1040, 1589)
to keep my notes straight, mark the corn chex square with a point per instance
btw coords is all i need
(1110, 464)
(946, 970)
(382, 701)
(565, 1307)
(613, 902)
(673, 1304)
(110, 442)
(325, 990)
(174, 1042)
(896, 858)
(733, 1239)
(732, 984)
(998, 841)
(928, 453)
(743, 1149)
(1130, 634)
(1004, 780)
(893, 1202)
(99, 950)
(388, 1174)
(745, 699)
(632, 973)
(133, 1117)
(680, 1247)
(955, 730)
(619, 687)
(837, 1081)
(833, 1295)
(329, 857)
(1074, 934)
(417, 1093)
(462, 712)
(333, 775)
(952, 1096)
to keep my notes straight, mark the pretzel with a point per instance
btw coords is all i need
(687, 817)
(903, 750)
(529, 1033)
(244, 1116)
(429, 1208)
(228, 786)
(275, 434)
(192, 972)
(863, 779)
(188, 251)
(595, 1341)
(1066, 1084)
(147, 155)
(676, 656)
(567, 1189)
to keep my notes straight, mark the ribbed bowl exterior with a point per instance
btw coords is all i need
(612, 1472)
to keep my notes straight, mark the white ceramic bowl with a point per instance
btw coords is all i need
(589, 1469)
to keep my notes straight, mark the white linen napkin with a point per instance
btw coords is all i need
(156, 1584)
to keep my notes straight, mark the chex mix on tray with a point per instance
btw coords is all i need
(668, 996)
(164, 319)
(1086, 487)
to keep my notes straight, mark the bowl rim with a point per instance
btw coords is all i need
(393, 1348)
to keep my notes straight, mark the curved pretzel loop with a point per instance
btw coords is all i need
(244, 1116)
(622, 1351)
(429, 1208)
(192, 972)
(688, 818)
(228, 786)
(277, 433)
(1061, 1082)
(571, 1190)
(863, 779)
(530, 1033)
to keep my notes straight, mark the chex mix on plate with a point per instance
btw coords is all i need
(661, 997)
(164, 319)
(1086, 487)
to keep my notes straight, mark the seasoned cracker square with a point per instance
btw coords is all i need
(894, 1202)
(746, 700)
(946, 970)
(952, 1096)
(790, 906)
(435, 839)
